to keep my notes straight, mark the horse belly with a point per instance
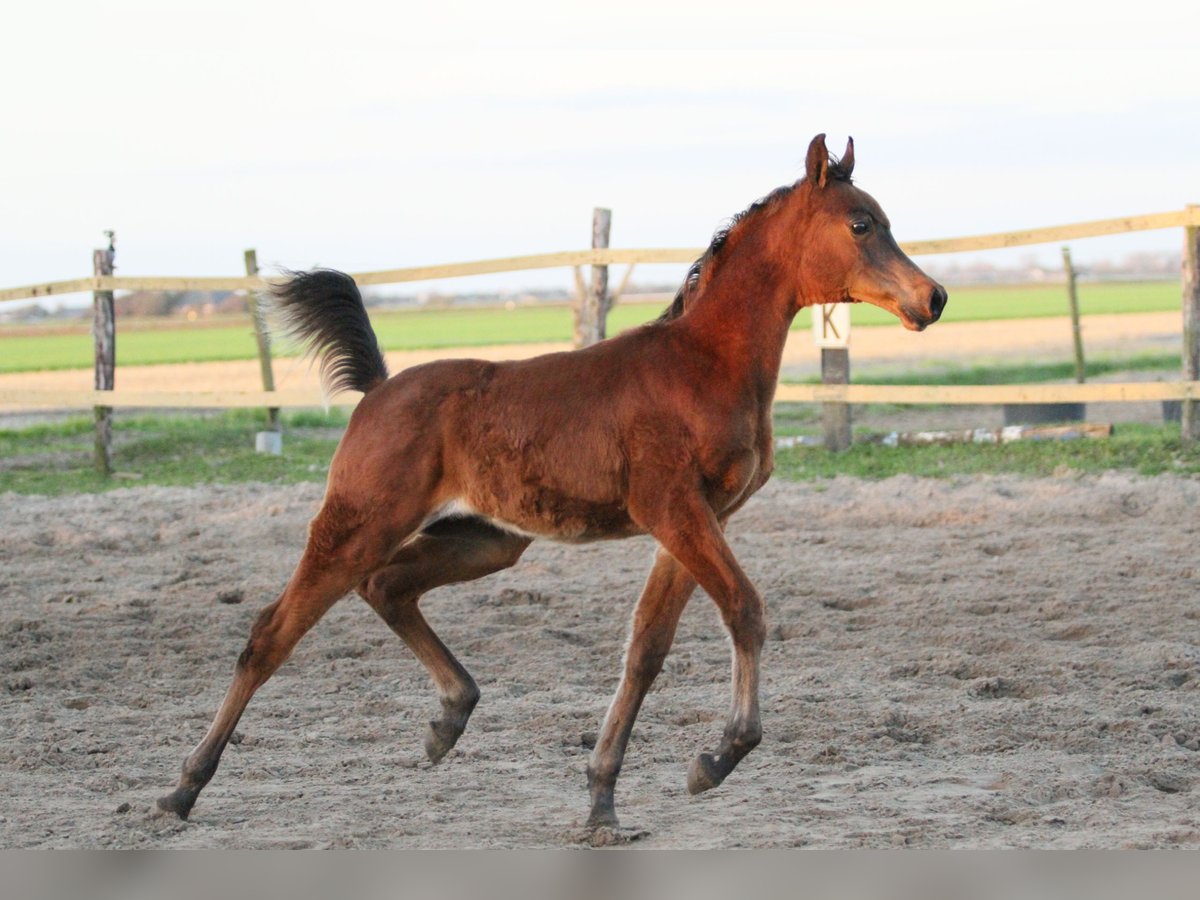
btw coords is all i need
(540, 514)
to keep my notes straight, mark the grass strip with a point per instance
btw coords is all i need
(198, 449)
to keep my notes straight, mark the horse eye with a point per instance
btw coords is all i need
(860, 227)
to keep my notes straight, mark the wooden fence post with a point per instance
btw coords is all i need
(581, 293)
(104, 339)
(1073, 299)
(835, 417)
(593, 312)
(1190, 281)
(263, 339)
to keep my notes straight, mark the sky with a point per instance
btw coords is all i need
(378, 135)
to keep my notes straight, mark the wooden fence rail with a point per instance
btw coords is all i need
(1189, 217)
(1139, 391)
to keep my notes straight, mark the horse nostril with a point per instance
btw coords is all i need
(937, 302)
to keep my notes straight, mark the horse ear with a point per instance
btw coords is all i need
(847, 160)
(816, 166)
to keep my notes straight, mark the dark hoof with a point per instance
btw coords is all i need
(178, 803)
(603, 818)
(703, 774)
(609, 836)
(440, 740)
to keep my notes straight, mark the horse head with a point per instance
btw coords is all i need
(850, 254)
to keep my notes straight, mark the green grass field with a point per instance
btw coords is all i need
(192, 449)
(36, 350)
(939, 372)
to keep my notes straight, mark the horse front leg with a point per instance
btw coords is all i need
(688, 529)
(655, 617)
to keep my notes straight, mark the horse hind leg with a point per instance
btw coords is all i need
(450, 551)
(340, 549)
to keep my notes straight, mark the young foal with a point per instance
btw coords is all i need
(448, 471)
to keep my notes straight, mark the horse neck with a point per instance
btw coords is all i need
(743, 312)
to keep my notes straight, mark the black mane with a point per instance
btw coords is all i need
(675, 310)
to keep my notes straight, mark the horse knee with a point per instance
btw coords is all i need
(747, 622)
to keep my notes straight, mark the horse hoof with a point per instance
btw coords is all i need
(178, 803)
(440, 740)
(608, 835)
(703, 774)
(605, 818)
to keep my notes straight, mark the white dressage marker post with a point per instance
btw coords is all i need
(831, 332)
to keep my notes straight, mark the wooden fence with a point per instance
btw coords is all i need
(1186, 390)
(1187, 218)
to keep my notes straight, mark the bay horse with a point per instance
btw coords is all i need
(448, 471)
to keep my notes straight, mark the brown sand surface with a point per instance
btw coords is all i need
(983, 662)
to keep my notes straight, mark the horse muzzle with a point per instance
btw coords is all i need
(920, 320)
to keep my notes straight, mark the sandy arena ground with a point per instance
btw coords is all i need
(976, 663)
(989, 662)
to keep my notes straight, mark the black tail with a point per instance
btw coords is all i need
(324, 311)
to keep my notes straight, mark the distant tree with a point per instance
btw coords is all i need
(143, 303)
(232, 303)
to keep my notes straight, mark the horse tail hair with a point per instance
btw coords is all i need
(324, 311)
